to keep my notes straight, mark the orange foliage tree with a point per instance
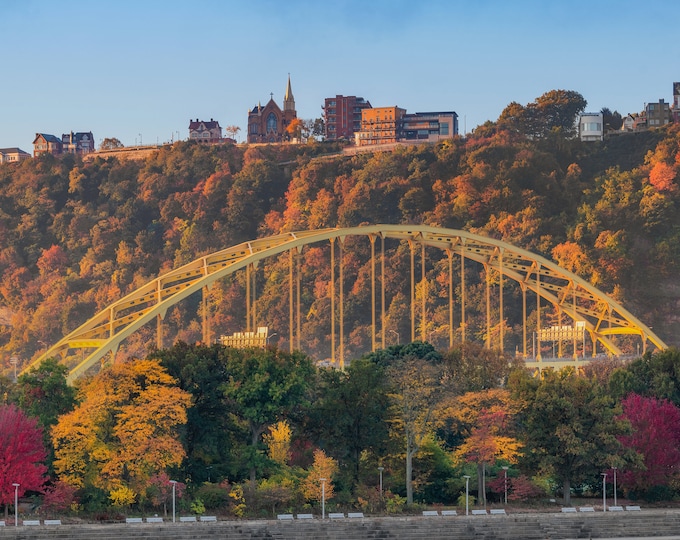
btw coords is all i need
(124, 431)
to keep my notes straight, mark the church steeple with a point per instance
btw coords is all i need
(288, 99)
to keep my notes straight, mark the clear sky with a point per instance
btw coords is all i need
(140, 70)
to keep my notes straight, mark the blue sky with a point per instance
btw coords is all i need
(142, 69)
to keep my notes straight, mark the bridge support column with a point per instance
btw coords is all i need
(332, 292)
(371, 238)
(462, 291)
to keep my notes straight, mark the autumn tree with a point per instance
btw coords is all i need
(655, 435)
(232, 131)
(295, 128)
(22, 454)
(323, 467)
(278, 442)
(485, 420)
(123, 431)
(110, 143)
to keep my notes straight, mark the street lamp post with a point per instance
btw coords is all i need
(467, 494)
(604, 491)
(505, 469)
(269, 336)
(396, 334)
(16, 505)
(380, 470)
(614, 486)
(174, 485)
(323, 498)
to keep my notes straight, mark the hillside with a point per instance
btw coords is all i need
(75, 236)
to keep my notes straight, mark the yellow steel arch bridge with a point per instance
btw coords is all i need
(590, 312)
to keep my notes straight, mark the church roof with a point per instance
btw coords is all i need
(289, 91)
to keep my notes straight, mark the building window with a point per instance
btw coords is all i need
(443, 129)
(271, 123)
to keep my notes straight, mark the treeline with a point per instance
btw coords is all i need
(253, 432)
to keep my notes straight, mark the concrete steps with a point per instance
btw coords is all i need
(510, 527)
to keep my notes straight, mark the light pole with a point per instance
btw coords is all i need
(467, 494)
(174, 485)
(614, 486)
(16, 505)
(380, 470)
(396, 334)
(140, 139)
(269, 336)
(505, 469)
(323, 498)
(604, 491)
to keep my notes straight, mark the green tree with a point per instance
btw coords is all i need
(415, 396)
(44, 394)
(211, 436)
(357, 401)
(570, 426)
(263, 387)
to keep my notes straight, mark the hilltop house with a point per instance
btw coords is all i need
(205, 132)
(70, 143)
(13, 155)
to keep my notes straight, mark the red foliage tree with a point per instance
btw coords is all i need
(22, 454)
(656, 436)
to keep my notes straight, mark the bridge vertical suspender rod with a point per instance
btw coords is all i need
(371, 238)
(559, 333)
(290, 298)
(342, 307)
(423, 293)
(487, 274)
(500, 307)
(204, 315)
(205, 295)
(524, 319)
(248, 298)
(413, 293)
(159, 319)
(254, 304)
(298, 280)
(332, 241)
(538, 311)
(462, 291)
(449, 253)
(382, 291)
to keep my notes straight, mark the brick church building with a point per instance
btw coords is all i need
(268, 124)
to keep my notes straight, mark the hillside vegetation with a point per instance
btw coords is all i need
(76, 236)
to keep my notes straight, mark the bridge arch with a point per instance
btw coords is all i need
(589, 309)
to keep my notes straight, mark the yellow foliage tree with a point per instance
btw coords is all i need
(484, 417)
(278, 442)
(323, 467)
(123, 431)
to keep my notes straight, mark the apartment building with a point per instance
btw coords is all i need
(342, 116)
(379, 125)
(428, 126)
(658, 114)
